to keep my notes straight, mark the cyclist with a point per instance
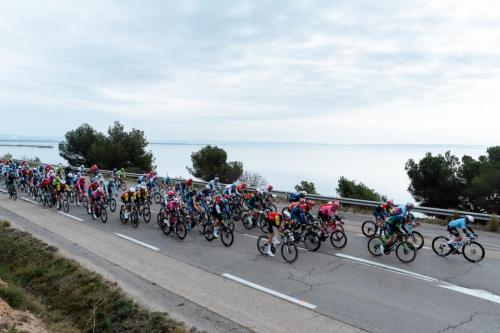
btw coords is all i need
(394, 226)
(80, 187)
(97, 197)
(463, 223)
(278, 220)
(383, 211)
(127, 198)
(295, 197)
(11, 188)
(298, 212)
(214, 185)
(329, 210)
(217, 209)
(403, 210)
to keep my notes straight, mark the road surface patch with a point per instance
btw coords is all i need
(443, 284)
(270, 291)
(151, 247)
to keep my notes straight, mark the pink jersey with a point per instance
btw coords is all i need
(328, 209)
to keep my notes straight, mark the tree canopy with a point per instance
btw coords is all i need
(115, 149)
(211, 161)
(445, 181)
(351, 189)
(306, 186)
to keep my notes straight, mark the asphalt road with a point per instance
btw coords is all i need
(348, 286)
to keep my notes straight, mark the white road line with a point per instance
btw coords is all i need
(252, 236)
(360, 235)
(387, 267)
(474, 292)
(426, 247)
(29, 200)
(70, 216)
(270, 291)
(151, 247)
(443, 284)
(3, 191)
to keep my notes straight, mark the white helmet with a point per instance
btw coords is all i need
(132, 189)
(410, 205)
(207, 187)
(287, 214)
(470, 218)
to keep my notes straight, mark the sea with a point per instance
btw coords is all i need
(381, 167)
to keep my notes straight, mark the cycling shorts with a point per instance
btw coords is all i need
(454, 231)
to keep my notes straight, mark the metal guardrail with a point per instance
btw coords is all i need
(355, 202)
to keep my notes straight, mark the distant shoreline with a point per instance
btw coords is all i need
(22, 145)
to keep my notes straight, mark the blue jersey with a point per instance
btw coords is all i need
(458, 223)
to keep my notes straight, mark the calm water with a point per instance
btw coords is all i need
(284, 165)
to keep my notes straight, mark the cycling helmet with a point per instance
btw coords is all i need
(410, 205)
(218, 200)
(226, 196)
(207, 187)
(469, 218)
(132, 189)
(79, 174)
(287, 214)
(303, 200)
(270, 188)
(335, 204)
(302, 194)
(310, 203)
(390, 202)
(216, 179)
(189, 181)
(114, 169)
(170, 193)
(244, 185)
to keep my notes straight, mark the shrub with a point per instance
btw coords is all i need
(306, 186)
(493, 226)
(211, 161)
(350, 189)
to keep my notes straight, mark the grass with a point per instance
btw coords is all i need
(66, 296)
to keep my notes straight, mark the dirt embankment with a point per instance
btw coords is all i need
(18, 321)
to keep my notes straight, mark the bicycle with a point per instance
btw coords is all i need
(99, 210)
(326, 230)
(370, 228)
(471, 250)
(172, 221)
(12, 192)
(404, 251)
(289, 250)
(226, 234)
(133, 215)
(256, 218)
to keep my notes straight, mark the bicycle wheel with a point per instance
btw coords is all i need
(112, 205)
(230, 225)
(134, 219)
(312, 241)
(104, 215)
(157, 198)
(416, 239)
(340, 227)
(14, 196)
(262, 223)
(65, 206)
(201, 225)
(473, 251)
(165, 228)
(406, 252)
(85, 202)
(123, 219)
(375, 245)
(261, 244)
(247, 221)
(93, 214)
(289, 252)
(369, 228)
(236, 214)
(440, 246)
(338, 239)
(209, 232)
(146, 214)
(226, 236)
(180, 230)
(286, 209)
(272, 207)
(160, 216)
(123, 186)
(71, 197)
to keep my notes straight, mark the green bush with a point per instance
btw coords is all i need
(493, 226)
(72, 298)
(211, 161)
(306, 186)
(351, 189)
(13, 296)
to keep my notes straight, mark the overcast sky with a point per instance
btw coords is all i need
(309, 71)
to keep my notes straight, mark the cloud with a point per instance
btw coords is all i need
(257, 70)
